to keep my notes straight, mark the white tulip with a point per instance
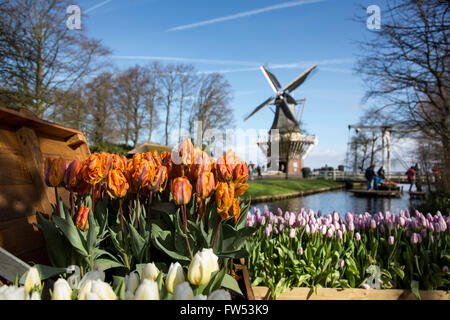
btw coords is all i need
(92, 296)
(61, 290)
(219, 295)
(33, 279)
(129, 295)
(200, 297)
(103, 290)
(174, 277)
(150, 272)
(212, 259)
(92, 275)
(147, 290)
(132, 281)
(198, 272)
(35, 296)
(84, 288)
(183, 291)
(13, 293)
(75, 278)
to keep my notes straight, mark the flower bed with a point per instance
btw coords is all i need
(160, 208)
(383, 251)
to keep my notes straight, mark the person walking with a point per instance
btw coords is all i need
(411, 175)
(258, 171)
(370, 174)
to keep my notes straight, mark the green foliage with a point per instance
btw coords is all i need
(120, 149)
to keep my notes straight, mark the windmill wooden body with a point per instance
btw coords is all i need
(286, 146)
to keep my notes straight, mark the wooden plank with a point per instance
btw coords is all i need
(262, 293)
(16, 201)
(19, 118)
(13, 170)
(10, 265)
(8, 140)
(34, 162)
(20, 235)
(55, 148)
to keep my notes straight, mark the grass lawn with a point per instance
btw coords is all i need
(257, 188)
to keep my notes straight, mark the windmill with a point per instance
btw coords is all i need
(293, 146)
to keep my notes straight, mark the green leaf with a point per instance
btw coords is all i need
(105, 264)
(230, 283)
(215, 282)
(71, 233)
(45, 272)
(415, 288)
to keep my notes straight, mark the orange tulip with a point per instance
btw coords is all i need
(240, 189)
(205, 185)
(157, 158)
(117, 185)
(181, 190)
(139, 172)
(240, 173)
(225, 166)
(71, 176)
(235, 210)
(159, 180)
(184, 155)
(55, 171)
(224, 198)
(202, 162)
(82, 222)
(83, 188)
(94, 168)
(118, 162)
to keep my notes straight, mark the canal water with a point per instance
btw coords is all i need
(343, 201)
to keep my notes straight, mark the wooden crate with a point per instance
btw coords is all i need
(25, 143)
(263, 293)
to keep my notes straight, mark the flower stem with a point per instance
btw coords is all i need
(136, 209)
(121, 219)
(215, 234)
(72, 203)
(57, 202)
(150, 198)
(184, 217)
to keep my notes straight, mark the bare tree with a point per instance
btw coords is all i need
(131, 89)
(40, 55)
(406, 66)
(187, 83)
(211, 107)
(153, 97)
(169, 86)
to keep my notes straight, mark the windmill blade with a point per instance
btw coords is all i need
(271, 79)
(294, 84)
(262, 105)
(287, 112)
(289, 98)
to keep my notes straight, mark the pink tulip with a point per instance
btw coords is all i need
(300, 251)
(339, 234)
(330, 233)
(307, 229)
(279, 212)
(357, 236)
(348, 217)
(391, 240)
(351, 226)
(268, 230)
(445, 269)
(292, 233)
(341, 263)
(415, 238)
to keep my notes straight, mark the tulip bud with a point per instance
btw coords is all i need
(116, 185)
(220, 294)
(181, 190)
(330, 233)
(150, 272)
(183, 291)
(339, 234)
(268, 230)
(414, 238)
(103, 290)
(373, 224)
(61, 290)
(82, 222)
(148, 290)
(174, 276)
(341, 263)
(205, 185)
(351, 226)
(199, 272)
(71, 175)
(279, 212)
(292, 233)
(445, 269)
(224, 198)
(55, 171)
(300, 251)
(132, 281)
(357, 236)
(391, 240)
(365, 286)
(307, 229)
(32, 280)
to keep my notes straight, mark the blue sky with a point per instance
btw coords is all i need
(236, 37)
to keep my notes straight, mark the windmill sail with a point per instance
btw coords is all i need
(262, 105)
(294, 84)
(273, 81)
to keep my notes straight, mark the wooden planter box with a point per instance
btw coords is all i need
(25, 143)
(263, 293)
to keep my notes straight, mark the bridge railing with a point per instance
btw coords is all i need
(350, 176)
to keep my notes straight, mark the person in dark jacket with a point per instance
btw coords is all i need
(381, 174)
(370, 175)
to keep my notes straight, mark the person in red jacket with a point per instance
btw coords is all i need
(411, 175)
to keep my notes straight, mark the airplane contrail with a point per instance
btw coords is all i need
(97, 6)
(194, 60)
(245, 14)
